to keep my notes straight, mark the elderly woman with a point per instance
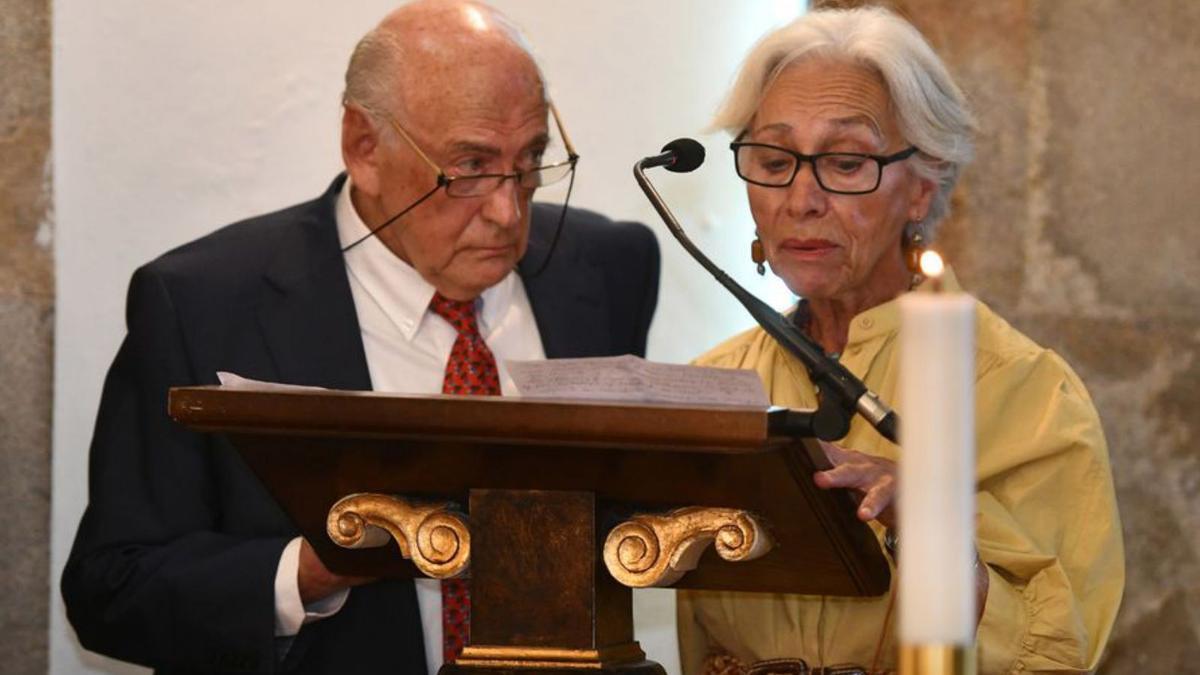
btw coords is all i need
(850, 136)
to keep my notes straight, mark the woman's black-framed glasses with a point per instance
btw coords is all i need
(843, 173)
(487, 183)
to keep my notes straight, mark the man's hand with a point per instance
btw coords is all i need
(316, 581)
(872, 478)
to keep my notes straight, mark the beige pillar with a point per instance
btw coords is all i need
(1080, 222)
(26, 333)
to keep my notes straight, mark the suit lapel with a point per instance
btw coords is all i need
(309, 321)
(568, 298)
(310, 325)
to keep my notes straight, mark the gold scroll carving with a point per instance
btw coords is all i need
(433, 536)
(656, 550)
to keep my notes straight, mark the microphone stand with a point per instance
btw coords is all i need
(841, 394)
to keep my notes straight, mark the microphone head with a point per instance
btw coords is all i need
(689, 155)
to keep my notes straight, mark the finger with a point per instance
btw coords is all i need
(851, 475)
(836, 477)
(876, 500)
(834, 453)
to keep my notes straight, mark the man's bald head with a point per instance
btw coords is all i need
(437, 50)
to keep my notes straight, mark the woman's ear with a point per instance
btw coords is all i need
(922, 198)
(360, 150)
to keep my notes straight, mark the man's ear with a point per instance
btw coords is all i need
(360, 150)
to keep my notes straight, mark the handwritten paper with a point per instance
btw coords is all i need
(635, 380)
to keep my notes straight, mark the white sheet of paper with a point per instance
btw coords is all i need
(636, 380)
(234, 381)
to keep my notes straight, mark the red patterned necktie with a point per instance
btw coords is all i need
(471, 370)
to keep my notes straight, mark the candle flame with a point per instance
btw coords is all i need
(932, 265)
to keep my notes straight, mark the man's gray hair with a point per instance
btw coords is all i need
(371, 76)
(931, 110)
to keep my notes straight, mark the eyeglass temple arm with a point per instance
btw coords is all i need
(400, 130)
(562, 131)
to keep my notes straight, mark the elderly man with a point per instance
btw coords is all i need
(426, 255)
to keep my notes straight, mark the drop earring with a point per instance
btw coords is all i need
(914, 246)
(759, 256)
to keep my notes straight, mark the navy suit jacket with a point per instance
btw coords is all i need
(174, 562)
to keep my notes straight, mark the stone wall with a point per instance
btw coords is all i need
(1078, 223)
(26, 333)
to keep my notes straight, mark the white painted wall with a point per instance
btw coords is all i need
(173, 118)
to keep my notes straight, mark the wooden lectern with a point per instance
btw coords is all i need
(553, 509)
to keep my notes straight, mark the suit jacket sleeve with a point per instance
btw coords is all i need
(153, 577)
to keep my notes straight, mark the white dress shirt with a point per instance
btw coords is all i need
(407, 347)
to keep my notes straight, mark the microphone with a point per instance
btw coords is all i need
(841, 392)
(682, 155)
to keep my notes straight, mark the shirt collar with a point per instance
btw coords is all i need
(398, 289)
(883, 319)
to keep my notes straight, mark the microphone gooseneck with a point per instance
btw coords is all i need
(841, 392)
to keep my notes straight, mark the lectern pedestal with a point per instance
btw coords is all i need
(540, 596)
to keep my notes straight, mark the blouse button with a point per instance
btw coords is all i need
(868, 322)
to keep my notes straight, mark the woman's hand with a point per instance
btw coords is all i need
(872, 478)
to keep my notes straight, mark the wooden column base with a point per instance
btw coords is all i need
(541, 599)
(626, 660)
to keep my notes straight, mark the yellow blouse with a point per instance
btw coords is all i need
(1047, 522)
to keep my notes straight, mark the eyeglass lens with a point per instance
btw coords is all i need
(474, 186)
(835, 172)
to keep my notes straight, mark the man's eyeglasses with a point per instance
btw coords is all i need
(843, 173)
(481, 184)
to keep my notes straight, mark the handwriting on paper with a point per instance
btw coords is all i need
(632, 379)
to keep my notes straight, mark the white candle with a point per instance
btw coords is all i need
(937, 469)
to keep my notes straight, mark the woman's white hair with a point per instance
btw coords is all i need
(930, 108)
